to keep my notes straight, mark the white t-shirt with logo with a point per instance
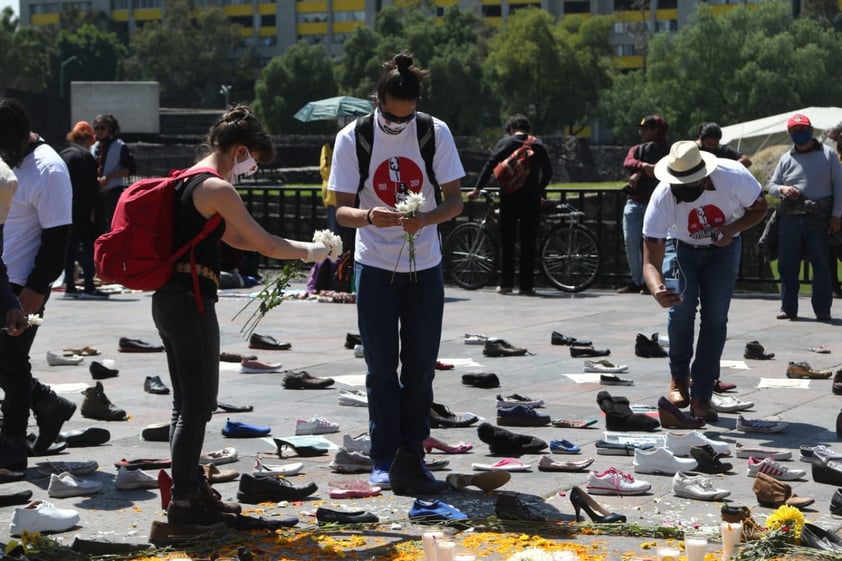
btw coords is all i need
(44, 199)
(694, 223)
(396, 167)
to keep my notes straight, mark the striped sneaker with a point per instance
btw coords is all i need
(773, 469)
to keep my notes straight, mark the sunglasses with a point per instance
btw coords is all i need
(395, 119)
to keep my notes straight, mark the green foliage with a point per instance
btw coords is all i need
(98, 55)
(24, 54)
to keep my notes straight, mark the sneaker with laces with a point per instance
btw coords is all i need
(315, 425)
(441, 416)
(68, 485)
(346, 461)
(520, 416)
(434, 511)
(353, 398)
(759, 425)
(809, 452)
(380, 476)
(680, 444)
(760, 452)
(696, 487)
(517, 399)
(76, 468)
(359, 443)
(729, 404)
(40, 517)
(614, 482)
(604, 366)
(135, 479)
(661, 460)
(96, 405)
(773, 469)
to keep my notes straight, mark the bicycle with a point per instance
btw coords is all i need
(567, 249)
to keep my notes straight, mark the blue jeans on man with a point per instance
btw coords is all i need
(400, 322)
(796, 233)
(706, 280)
(633, 235)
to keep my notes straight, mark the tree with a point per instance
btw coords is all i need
(303, 73)
(24, 54)
(98, 56)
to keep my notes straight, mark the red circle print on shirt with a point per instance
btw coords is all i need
(396, 176)
(702, 220)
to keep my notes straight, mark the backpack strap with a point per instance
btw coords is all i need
(364, 133)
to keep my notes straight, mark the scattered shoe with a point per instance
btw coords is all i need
(614, 380)
(709, 460)
(703, 409)
(836, 503)
(484, 380)
(359, 352)
(773, 469)
(379, 476)
(304, 381)
(54, 359)
(803, 370)
(237, 429)
(520, 416)
(620, 417)
(487, 481)
(68, 485)
(315, 425)
(235, 357)
(15, 498)
(722, 387)
(751, 529)
(837, 383)
(661, 460)
(696, 487)
(154, 385)
(144, 463)
(156, 432)
(96, 405)
(508, 506)
(820, 349)
(827, 469)
(93, 295)
(809, 452)
(442, 417)
(42, 517)
(517, 399)
(87, 437)
(219, 457)
(557, 338)
(255, 490)
(350, 461)
(681, 444)
(502, 442)
(127, 345)
(352, 340)
(444, 365)
(135, 479)
(577, 352)
(261, 469)
(818, 538)
(434, 511)
(605, 448)
(267, 343)
(506, 464)
(163, 534)
(546, 463)
(672, 417)
(758, 425)
(630, 288)
(215, 475)
(499, 347)
(327, 516)
(614, 482)
(564, 447)
(353, 398)
(76, 468)
(51, 411)
(228, 408)
(102, 370)
(604, 366)
(760, 452)
(573, 423)
(359, 443)
(771, 492)
(432, 443)
(356, 489)
(646, 347)
(259, 367)
(729, 404)
(475, 339)
(755, 351)
(7, 476)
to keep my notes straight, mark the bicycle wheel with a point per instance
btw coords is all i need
(570, 258)
(470, 256)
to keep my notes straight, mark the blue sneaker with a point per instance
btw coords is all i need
(563, 447)
(434, 511)
(520, 416)
(236, 429)
(380, 476)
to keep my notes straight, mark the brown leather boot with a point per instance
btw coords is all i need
(679, 394)
(702, 408)
(751, 529)
(773, 493)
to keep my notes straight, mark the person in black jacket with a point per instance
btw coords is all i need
(521, 208)
(83, 176)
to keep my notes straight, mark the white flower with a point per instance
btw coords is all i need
(34, 319)
(332, 242)
(411, 205)
(532, 554)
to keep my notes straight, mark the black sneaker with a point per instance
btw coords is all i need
(441, 416)
(647, 347)
(510, 507)
(521, 416)
(499, 347)
(755, 351)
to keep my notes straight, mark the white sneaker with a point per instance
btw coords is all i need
(696, 487)
(58, 360)
(614, 482)
(358, 351)
(42, 516)
(604, 366)
(729, 403)
(359, 443)
(760, 452)
(680, 444)
(773, 469)
(219, 457)
(353, 398)
(135, 479)
(261, 469)
(68, 485)
(346, 461)
(661, 460)
(315, 425)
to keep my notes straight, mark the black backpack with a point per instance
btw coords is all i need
(364, 132)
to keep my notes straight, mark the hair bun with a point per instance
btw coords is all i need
(402, 61)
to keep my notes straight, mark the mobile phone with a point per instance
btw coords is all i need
(672, 284)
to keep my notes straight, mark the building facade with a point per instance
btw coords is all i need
(274, 25)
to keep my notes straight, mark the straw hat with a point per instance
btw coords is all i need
(685, 164)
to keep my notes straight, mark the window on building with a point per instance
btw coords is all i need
(515, 7)
(267, 20)
(628, 5)
(313, 39)
(115, 5)
(667, 4)
(355, 15)
(491, 11)
(311, 17)
(624, 50)
(666, 25)
(245, 21)
(577, 7)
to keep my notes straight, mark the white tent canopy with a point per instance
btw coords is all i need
(750, 136)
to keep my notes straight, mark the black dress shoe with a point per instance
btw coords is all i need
(51, 411)
(441, 416)
(557, 338)
(503, 442)
(836, 503)
(91, 436)
(127, 345)
(18, 498)
(484, 380)
(255, 490)
(267, 343)
(328, 516)
(819, 538)
(577, 352)
(7, 476)
(153, 384)
(100, 372)
(647, 347)
(708, 460)
(352, 340)
(827, 469)
(40, 450)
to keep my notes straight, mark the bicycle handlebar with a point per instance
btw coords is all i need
(550, 207)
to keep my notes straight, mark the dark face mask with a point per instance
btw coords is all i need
(687, 193)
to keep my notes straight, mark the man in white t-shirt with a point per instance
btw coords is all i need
(35, 236)
(400, 297)
(691, 256)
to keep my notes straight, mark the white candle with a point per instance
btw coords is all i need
(731, 534)
(464, 557)
(668, 554)
(444, 550)
(428, 540)
(695, 547)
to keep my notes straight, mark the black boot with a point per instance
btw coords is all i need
(620, 417)
(13, 453)
(51, 411)
(408, 476)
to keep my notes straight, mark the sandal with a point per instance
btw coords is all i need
(432, 443)
(572, 424)
(84, 351)
(506, 464)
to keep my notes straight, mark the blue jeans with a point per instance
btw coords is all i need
(707, 276)
(399, 321)
(633, 234)
(191, 340)
(794, 234)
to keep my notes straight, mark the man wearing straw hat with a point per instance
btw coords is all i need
(691, 233)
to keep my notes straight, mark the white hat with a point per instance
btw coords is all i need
(685, 164)
(8, 186)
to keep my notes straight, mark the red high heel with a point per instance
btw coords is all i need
(165, 486)
(432, 443)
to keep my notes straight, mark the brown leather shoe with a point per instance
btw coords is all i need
(751, 529)
(773, 493)
(703, 408)
(679, 394)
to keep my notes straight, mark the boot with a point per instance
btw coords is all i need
(96, 405)
(702, 408)
(620, 417)
(51, 411)
(408, 476)
(751, 529)
(13, 453)
(679, 394)
(210, 497)
(773, 493)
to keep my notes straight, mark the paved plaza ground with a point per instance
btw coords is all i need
(317, 333)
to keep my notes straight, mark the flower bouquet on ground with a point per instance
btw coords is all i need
(273, 293)
(783, 536)
(409, 207)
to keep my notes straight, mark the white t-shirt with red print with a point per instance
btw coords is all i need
(396, 167)
(735, 189)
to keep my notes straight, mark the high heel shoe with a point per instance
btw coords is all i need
(582, 501)
(432, 443)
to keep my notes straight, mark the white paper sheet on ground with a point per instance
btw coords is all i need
(735, 364)
(798, 383)
(589, 378)
(656, 440)
(461, 362)
(70, 387)
(350, 379)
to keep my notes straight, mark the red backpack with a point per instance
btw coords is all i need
(138, 251)
(511, 173)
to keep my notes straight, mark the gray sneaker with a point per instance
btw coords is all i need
(350, 462)
(360, 443)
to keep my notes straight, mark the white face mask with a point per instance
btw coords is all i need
(242, 169)
(389, 127)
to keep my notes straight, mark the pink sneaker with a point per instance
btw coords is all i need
(614, 482)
